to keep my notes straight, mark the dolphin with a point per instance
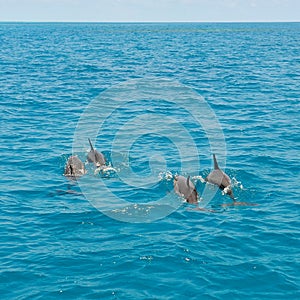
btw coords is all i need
(219, 178)
(184, 187)
(95, 157)
(74, 167)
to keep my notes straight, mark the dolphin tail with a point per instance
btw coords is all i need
(216, 166)
(91, 144)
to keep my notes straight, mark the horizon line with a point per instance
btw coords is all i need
(66, 21)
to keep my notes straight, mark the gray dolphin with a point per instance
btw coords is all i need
(95, 157)
(74, 167)
(219, 178)
(184, 187)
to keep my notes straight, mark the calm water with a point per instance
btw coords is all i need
(56, 245)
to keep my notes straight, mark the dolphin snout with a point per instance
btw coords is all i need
(228, 190)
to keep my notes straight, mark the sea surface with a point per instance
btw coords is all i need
(60, 239)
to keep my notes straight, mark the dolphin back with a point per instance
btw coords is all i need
(95, 157)
(185, 187)
(74, 167)
(219, 178)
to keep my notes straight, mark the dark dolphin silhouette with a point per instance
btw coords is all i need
(219, 178)
(74, 167)
(95, 157)
(184, 187)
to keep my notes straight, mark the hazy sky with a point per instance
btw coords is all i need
(149, 10)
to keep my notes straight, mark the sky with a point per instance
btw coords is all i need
(150, 10)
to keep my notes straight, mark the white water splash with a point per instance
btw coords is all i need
(200, 178)
(236, 183)
(105, 170)
(165, 176)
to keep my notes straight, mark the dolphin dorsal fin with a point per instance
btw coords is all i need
(216, 167)
(71, 170)
(91, 144)
(188, 181)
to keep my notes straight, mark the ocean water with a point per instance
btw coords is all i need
(64, 239)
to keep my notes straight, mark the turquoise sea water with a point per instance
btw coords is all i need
(56, 245)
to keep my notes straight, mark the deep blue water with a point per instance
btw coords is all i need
(56, 245)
